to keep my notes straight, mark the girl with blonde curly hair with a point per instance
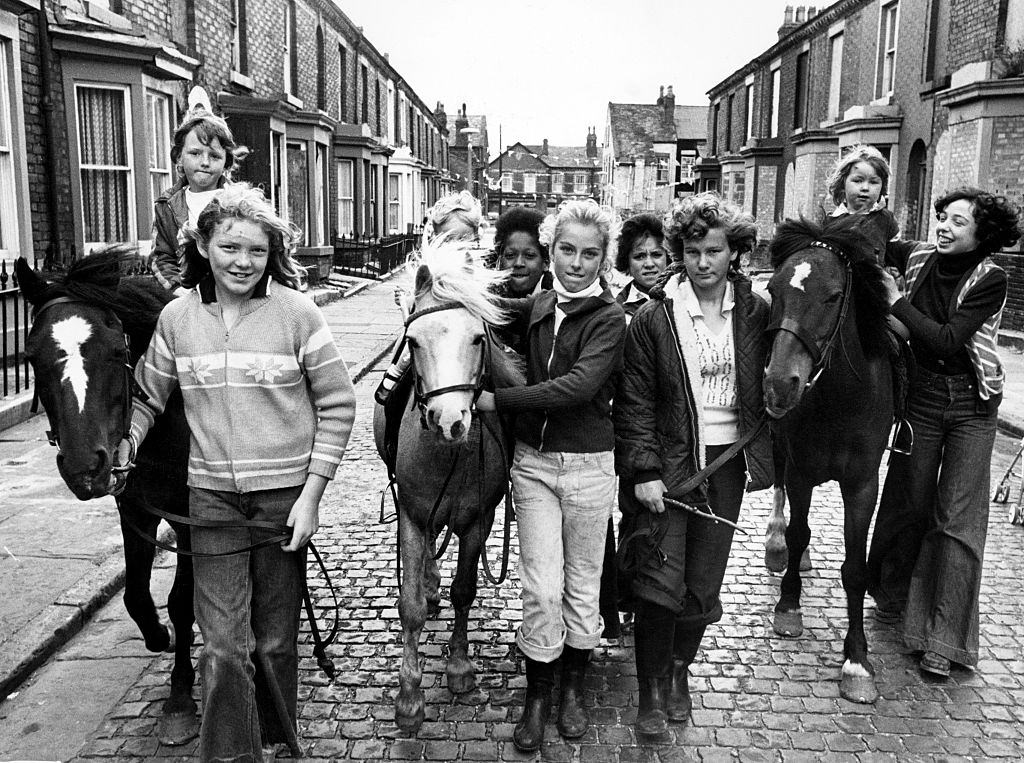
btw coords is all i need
(564, 438)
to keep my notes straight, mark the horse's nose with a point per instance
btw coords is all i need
(457, 429)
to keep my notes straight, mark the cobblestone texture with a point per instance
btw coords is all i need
(758, 697)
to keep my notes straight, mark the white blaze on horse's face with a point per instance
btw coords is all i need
(69, 335)
(447, 348)
(800, 274)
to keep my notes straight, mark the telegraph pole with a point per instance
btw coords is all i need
(501, 154)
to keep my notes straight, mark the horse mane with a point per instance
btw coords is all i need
(843, 233)
(97, 280)
(448, 270)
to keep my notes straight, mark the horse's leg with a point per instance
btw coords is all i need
(432, 583)
(461, 672)
(859, 495)
(179, 723)
(775, 553)
(138, 565)
(412, 610)
(788, 618)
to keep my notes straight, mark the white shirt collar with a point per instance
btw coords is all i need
(692, 304)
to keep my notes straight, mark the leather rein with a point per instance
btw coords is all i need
(120, 473)
(823, 356)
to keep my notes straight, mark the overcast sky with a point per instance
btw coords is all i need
(547, 68)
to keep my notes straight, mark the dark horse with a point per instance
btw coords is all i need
(90, 328)
(451, 467)
(828, 386)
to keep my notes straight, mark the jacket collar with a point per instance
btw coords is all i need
(544, 306)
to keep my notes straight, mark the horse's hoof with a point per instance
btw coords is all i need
(177, 728)
(172, 636)
(789, 623)
(859, 689)
(433, 608)
(409, 723)
(775, 557)
(161, 641)
(462, 681)
(805, 561)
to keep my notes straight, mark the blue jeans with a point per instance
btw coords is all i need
(246, 605)
(941, 517)
(563, 502)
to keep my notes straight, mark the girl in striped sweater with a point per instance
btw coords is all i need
(270, 406)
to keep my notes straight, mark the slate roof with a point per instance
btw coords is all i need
(636, 127)
(566, 157)
(691, 122)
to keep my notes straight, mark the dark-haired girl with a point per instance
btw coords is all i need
(642, 256)
(927, 550)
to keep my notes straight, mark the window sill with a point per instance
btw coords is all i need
(292, 100)
(241, 81)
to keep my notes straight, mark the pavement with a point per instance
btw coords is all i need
(61, 559)
(757, 696)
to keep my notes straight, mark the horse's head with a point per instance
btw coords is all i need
(78, 354)
(448, 337)
(810, 293)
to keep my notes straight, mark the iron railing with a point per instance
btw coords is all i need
(369, 257)
(14, 325)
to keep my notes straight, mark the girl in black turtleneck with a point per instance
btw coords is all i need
(927, 549)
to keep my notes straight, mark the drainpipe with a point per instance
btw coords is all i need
(53, 253)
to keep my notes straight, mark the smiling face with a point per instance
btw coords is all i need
(523, 256)
(578, 255)
(863, 188)
(646, 261)
(707, 261)
(202, 164)
(957, 231)
(238, 251)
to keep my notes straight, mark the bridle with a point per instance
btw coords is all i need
(421, 396)
(119, 472)
(821, 357)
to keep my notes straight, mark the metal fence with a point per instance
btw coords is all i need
(369, 257)
(14, 325)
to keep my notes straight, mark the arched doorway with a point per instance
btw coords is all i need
(917, 193)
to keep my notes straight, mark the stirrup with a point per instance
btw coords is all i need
(902, 438)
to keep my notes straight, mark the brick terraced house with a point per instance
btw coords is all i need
(90, 93)
(936, 85)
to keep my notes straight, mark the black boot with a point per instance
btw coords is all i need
(653, 635)
(528, 735)
(684, 650)
(572, 717)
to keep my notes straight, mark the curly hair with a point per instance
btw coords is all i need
(461, 206)
(635, 229)
(693, 216)
(208, 127)
(870, 155)
(997, 218)
(519, 220)
(240, 201)
(585, 212)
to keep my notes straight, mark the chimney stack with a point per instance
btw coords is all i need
(812, 11)
(800, 14)
(788, 24)
(461, 139)
(669, 105)
(591, 142)
(544, 148)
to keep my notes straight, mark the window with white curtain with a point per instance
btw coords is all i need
(346, 199)
(298, 189)
(319, 221)
(158, 111)
(8, 207)
(394, 199)
(835, 74)
(529, 182)
(556, 182)
(776, 84)
(506, 182)
(105, 162)
(888, 30)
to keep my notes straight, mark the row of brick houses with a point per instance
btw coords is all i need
(543, 176)
(936, 85)
(90, 93)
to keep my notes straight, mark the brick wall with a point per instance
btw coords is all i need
(764, 212)
(154, 19)
(972, 31)
(36, 145)
(1007, 158)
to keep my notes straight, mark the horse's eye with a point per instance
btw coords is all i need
(478, 339)
(833, 298)
(413, 344)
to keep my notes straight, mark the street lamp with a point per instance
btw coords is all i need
(469, 132)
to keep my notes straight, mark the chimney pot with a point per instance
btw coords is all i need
(800, 11)
(788, 17)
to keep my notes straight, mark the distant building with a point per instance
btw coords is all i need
(458, 153)
(935, 85)
(649, 153)
(544, 176)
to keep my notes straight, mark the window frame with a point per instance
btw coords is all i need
(801, 89)
(529, 182)
(15, 218)
(775, 101)
(836, 43)
(748, 98)
(885, 68)
(159, 131)
(131, 208)
(349, 200)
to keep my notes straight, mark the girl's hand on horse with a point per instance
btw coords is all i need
(892, 289)
(650, 495)
(125, 453)
(304, 518)
(486, 401)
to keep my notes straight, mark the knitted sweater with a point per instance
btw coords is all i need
(268, 400)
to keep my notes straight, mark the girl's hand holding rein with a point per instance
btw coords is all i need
(650, 495)
(892, 289)
(486, 401)
(304, 518)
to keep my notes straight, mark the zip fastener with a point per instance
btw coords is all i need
(544, 424)
(690, 406)
(227, 388)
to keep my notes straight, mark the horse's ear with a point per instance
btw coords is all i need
(423, 278)
(29, 282)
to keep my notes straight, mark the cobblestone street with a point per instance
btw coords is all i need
(757, 696)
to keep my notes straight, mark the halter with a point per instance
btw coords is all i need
(133, 390)
(824, 355)
(422, 397)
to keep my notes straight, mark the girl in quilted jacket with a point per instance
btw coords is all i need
(690, 389)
